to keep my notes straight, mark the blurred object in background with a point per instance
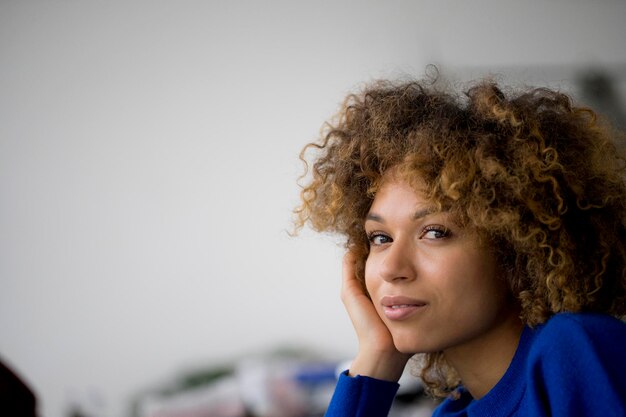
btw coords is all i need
(16, 399)
(284, 383)
(599, 88)
(86, 403)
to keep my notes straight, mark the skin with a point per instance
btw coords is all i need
(447, 292)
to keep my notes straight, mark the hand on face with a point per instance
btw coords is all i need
(436, 286)
(377, 356)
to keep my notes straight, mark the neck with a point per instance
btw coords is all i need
(482, 363)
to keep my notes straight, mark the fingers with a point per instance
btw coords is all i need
(349, 261)
(377, 356)
(350, 285)
(354, 297)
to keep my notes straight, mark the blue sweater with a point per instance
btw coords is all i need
(573, 365)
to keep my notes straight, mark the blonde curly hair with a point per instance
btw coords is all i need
(537, 177)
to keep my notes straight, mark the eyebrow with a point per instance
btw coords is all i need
(419, 214)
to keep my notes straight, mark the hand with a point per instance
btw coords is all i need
(377, 356)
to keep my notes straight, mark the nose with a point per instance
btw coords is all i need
(398, 262)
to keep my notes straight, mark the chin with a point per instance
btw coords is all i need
(406, 346)
(410, 343)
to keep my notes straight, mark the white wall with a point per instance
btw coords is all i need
(148, 157)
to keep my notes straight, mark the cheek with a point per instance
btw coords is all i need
(485, 285)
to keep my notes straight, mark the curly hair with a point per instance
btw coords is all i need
(537, 177)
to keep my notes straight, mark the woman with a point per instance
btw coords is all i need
(486, 233)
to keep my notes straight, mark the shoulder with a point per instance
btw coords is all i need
(570, 331)
(575, 364)
(587, 321)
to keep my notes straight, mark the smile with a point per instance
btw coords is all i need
(401, 308)
(402, 312)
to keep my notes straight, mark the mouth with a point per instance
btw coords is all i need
(401, 308)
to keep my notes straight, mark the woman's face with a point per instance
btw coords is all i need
(432, 283)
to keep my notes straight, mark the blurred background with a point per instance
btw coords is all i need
(148, 167)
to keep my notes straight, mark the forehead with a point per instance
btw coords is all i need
(398, 195)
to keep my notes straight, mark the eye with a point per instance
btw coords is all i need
(435, 232)
(378, 238)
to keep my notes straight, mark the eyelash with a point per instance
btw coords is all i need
(373, 235)
(441, 232)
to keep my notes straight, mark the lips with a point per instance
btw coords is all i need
(400, 307)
